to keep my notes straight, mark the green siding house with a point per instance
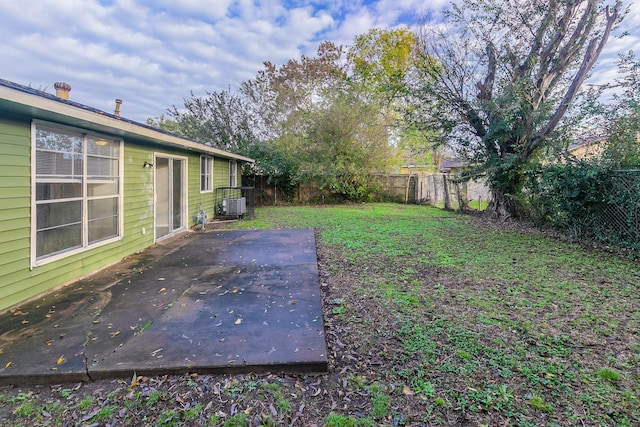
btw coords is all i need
(80, 188)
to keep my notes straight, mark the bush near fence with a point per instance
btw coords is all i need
(590, 201)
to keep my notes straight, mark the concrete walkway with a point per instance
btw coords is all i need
(219, 301)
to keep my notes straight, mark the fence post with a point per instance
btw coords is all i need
(406, 193)
(447, 202)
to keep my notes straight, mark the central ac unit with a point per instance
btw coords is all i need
(234, 206)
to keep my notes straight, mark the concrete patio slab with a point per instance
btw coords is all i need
(211, 302)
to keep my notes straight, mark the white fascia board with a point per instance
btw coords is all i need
(68, 113)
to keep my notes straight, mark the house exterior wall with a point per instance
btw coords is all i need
(220, 173)
(20, 282)
(15, 208)
(206, 199)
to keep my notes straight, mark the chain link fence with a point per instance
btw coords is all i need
(616, 220)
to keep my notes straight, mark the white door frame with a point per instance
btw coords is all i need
(184, 196)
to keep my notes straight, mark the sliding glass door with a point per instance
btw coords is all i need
(170, 197)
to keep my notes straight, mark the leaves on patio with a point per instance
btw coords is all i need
(60, 360)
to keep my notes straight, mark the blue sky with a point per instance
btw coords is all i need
(153, 53)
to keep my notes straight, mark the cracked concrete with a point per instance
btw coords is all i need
(218, 301)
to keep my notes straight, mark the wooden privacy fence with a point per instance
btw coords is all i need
(447, 191)
(441, 190)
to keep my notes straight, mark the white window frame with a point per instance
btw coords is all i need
(207, 175)
(233, 173)
(85, 245)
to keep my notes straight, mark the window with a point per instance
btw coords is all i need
(233, 168)
(206, 174)
(77, 190)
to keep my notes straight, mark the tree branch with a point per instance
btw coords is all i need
(486, 88)
(591, 56)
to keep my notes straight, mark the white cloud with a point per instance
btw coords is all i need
(152, 53)
(352, 25)
(605, 70)
(213, 9)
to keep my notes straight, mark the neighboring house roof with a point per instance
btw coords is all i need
(449, 164)
(592, 146)
(38, 104)
(586, 142)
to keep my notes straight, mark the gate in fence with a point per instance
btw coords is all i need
(445, 190)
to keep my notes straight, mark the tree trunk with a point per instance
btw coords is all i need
(502, 206)
(506, 183)
(505, 199)
(445, 187)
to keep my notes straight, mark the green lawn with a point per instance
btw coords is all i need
(431, 318)
(486, 322)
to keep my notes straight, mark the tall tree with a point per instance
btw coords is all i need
(293, 90)
(220, 119)
(347, 141)
(382, 61)
(383, 69)
(510, 70)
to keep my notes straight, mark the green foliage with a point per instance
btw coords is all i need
(193, 413)
(596, 197)
(341, 153)
(568, 196)
(509, 71)
(168, 418)
(383, 59)
(279, 165)
(86, 402)
(589, 199)
(219, 119)
(608, 374)
(314, 119)
(538, 403)
(154, 398)
(336, 420)
(381, 404)
(25, 409)
(238, 420)
(165, 124)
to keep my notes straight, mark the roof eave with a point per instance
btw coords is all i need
(67, 112)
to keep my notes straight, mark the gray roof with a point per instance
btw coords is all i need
(24, 100)
(446, 165)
